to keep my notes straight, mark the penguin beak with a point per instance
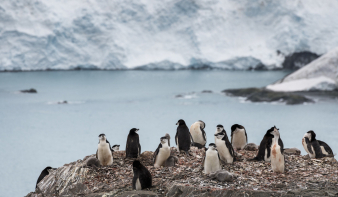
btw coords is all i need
(177, 123)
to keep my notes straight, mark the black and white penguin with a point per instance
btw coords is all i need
(220, 129)
(264, 150)
(104, 152)
(224, 147)
(211, 161)
(142, 177)
(182, 137)
(277, 156)
(239, 137)
(162, 153)
(133, 147)
(198, 134)
(44, 173)
(116, 147)
(315, 148)
(168, 137)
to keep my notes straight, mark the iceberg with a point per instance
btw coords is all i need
(168, 34)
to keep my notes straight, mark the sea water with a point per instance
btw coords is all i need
(37, 132)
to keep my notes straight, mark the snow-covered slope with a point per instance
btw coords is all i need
(231, 34)
(321, 74)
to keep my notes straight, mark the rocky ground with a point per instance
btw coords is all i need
(303, 176)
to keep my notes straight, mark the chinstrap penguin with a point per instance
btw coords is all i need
(224, 147)
(183, 137)
(116, 147)
(315, 148)
(104, 152)
(264, 150)
(239, 137)
(198, 134)
(93, 162)
(133, 147)
(211, 161)
(162, 153)
(44, 173)
(142, 177)
(277, 148)
(220, 129)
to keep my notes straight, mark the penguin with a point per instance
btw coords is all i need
(211, 161)
(315, 148)
(116, 147)
(104, 152)
(220, 129)
(224, 147)
(239, 137)
(44, 173)
(142, 178)
(168, 137)
(198, 134)
(162, 153)
(277, 156)
(183, 137)
(171, 161)
(133, 147)
(265, 146)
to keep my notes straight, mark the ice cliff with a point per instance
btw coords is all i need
(321, 74)
(167, 34)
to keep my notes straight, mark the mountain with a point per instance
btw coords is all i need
(167, 34)
(321, 74)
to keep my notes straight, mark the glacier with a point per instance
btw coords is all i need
(167, 34)
(321, 74)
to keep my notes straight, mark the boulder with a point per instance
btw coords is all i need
(32, 90)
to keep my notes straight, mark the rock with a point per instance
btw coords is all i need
(63, 102)
(292, 151)
(251, 147)
(206, 91)
(32, 90)
(222, 176)
(299, 59)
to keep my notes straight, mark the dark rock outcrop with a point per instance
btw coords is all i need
(264, 95)
(299, 59)
(32, 90)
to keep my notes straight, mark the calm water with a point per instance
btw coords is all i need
(37, 132)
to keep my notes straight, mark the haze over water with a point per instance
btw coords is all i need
(37, 132)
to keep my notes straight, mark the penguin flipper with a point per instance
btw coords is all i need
(308, 143)
(110, 146)
(231, 149)
(280, 143)
(268, 147)
(204, 135)
(156, 153)
(246, 136)
(139, 149)
(97, 157)
(127, 147)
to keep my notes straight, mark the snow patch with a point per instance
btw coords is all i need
(320, 83)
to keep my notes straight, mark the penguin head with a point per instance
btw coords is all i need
(180, 122)
(164, 140)
(275, 131)
(311, 135)
(102, 137)
(133, 130)
(219, 128)
(116, 147)
(219, 135)
(202, 124)
(212, 146)
(236, 126)
(136, 165)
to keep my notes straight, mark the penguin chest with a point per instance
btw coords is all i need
(211, 162)
(223, 151)
(138, 184)
(197, 134)
(239, 139)
(162, 156)
(104, 154)
(277, 158)
(313, 155)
